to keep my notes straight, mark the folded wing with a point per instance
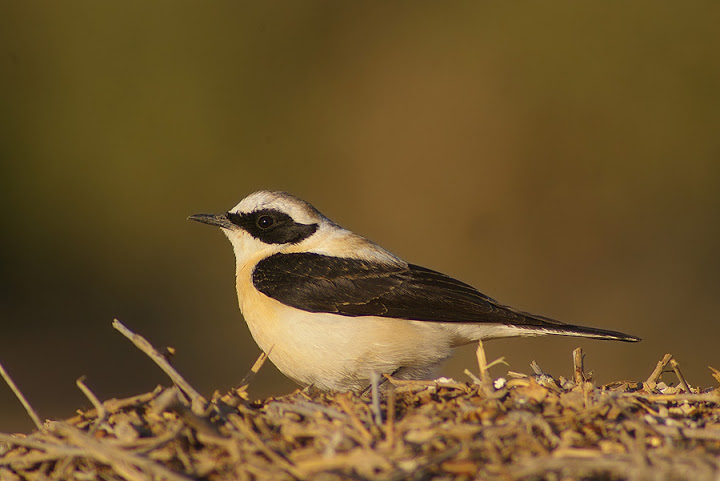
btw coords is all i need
(354, 287)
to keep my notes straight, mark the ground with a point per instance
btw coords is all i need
(519, 427)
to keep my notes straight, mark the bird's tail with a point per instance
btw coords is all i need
(546, 325)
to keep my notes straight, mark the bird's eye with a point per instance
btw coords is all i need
(265, 221)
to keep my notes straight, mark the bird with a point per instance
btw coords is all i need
(334, 310)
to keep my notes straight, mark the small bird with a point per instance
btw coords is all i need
(335, 310)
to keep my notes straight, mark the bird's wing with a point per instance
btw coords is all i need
(354, 287)
(319, 283)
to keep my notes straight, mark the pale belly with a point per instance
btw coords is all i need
(340, 353)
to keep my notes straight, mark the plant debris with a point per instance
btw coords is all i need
(522, 427)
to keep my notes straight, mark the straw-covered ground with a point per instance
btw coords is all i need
(522, 427)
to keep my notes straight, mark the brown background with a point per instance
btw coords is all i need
(564, 158)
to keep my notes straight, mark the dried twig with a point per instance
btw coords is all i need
(486, 381)
(715, 373)
(99, 408)
(31, 412)
(496, 362)
(245, 382)
(536, 368)
(419, 384)
(676, 367)
(706, 397)
(578, 366)
(114, 405)
(198, 402)
(32, 442)
(472, 376)
(657, 372)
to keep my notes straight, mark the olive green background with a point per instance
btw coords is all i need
(563, 157)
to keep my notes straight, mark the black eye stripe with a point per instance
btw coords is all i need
(272, 226)
(235, 218)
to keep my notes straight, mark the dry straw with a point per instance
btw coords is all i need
(529, 427)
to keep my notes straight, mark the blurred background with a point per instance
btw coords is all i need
(564, 158)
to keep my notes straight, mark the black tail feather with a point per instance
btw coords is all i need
(549, 325)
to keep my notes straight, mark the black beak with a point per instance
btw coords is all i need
(219, 220)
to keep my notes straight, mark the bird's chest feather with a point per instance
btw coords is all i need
(264, 316)
(300, 344)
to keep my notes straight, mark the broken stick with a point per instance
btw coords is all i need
(197, 402)
(31, 412)
(659, 369)
(681, 378)
(579, 367)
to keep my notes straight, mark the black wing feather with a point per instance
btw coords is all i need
(319, 283)
(353, 287)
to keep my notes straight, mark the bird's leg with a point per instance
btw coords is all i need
(383, 381)
(375, 385)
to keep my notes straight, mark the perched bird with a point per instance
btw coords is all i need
(333, 309)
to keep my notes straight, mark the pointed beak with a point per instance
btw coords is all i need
(219, 220)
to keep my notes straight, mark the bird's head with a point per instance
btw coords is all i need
(267, 222)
